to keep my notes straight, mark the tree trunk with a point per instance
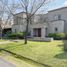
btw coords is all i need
(0, 32)
(26, 33)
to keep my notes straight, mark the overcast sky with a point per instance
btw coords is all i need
(57, 4)
(54, 4)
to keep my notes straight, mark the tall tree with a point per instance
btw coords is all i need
(30, 7)
(7, 9)
(2, 14)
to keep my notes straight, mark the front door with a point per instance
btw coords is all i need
(37, 32)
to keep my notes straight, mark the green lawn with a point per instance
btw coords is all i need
(38, 54)
(2, 40)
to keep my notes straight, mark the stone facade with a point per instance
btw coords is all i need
(55, 21)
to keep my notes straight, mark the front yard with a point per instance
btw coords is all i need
(35, 54)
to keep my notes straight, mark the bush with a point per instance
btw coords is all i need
(52, 35)
(66, 36)
(16, 35)
(57, 36)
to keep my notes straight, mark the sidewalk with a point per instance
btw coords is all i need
(4, 63)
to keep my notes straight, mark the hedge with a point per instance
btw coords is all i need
(58, 36)
(16, 35)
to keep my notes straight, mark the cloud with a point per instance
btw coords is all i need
(65, 3)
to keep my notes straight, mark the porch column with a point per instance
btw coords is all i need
(43, 32)
(32, 32)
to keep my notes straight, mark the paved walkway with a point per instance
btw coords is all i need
(4, 63)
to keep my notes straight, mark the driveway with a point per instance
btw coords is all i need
(4, 63)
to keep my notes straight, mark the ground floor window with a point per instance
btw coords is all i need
(15, 30)
(37, 32)
(56, 29)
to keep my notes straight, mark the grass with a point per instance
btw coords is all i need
(2, 40)
(37, 54)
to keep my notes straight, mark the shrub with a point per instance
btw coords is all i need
(60, 36)
(52, 35)
(16, 35)
(66, 36)
(5, 35)
(57, 36)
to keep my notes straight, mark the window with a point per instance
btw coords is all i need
(29, 33)
(56, 29)
(58, 17)
(35, 32)
(55, 17)
(15, 30)
(36, 19)
(16, 21)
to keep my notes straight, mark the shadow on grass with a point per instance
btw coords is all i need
(24, 58)
(60, 45)
(61, 55)
(14, 45)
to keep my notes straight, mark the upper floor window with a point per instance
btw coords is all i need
(58, 17)
(36, 19)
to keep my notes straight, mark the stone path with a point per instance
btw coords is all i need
(4, 63)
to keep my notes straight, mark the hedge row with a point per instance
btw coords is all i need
(16, 35)
(58, 36)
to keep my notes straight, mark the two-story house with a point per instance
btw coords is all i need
(55, 21)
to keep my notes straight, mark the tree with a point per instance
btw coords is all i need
(6, 14)
(30, 7)
(2, 13)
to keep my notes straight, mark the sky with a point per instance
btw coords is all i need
(57, 4)
(52, 5)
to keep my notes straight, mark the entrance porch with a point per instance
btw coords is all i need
(39, 33)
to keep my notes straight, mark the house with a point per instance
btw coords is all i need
(55, 21)
(5, 26)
